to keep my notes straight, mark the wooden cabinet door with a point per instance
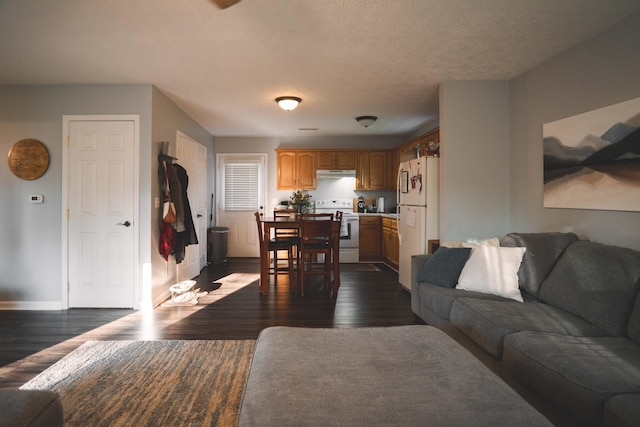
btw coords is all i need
(326, 160)
(394, 245)
(362, 170)
(306, 170)
(345, 160)
(390, 243)
(393, 161)
(286, 161)
(378, 166)
(370, 238)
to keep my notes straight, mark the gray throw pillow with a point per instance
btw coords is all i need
(444, 266)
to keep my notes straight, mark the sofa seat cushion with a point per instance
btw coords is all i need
(487, 322)
(439, 299)
(576, 373)
(622, 410)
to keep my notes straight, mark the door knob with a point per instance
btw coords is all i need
(126, 223)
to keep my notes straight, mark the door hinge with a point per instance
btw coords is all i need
(68, 141)
(68, 214)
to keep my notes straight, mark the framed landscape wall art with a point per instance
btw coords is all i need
(592, 160)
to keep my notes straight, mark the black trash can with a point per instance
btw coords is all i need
(218, 241)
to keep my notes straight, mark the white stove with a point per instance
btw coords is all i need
(350, 231)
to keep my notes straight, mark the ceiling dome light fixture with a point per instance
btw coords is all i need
(288, 103)
(366, 121)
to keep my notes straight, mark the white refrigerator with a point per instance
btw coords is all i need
(417, 211)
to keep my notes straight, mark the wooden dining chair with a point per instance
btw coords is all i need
(269, 250)
(316, 237)
(290, 235)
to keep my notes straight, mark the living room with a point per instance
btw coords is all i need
(491, 158)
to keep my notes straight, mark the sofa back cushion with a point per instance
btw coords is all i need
(596, 282)
(543, 250)
(634, 321)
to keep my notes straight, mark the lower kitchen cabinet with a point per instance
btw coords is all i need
(370, 238)
(390, 242)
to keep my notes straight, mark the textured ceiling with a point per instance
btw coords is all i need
(344, 58)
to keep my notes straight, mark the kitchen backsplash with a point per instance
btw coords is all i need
(344, 189)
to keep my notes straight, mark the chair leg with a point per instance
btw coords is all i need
(327, 271)
(291, 268)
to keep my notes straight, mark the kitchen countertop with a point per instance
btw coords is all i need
(381, 214)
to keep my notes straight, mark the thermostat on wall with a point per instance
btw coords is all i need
(36, 198)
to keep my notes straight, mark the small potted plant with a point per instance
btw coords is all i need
(301, 201)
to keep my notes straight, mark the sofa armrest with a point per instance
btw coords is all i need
(417, 261)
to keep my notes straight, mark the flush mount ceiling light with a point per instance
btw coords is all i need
(288, 103)
(366, 121)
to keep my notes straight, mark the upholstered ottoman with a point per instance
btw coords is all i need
(404, 375)
(33, 408)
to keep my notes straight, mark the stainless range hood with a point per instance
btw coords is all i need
(335, 173)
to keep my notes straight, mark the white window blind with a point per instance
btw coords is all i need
(241, 186)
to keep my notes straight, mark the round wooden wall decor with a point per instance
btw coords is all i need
(28, 159)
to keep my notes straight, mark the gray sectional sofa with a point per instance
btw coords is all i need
(575, 340)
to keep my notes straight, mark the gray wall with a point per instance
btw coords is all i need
(474, 165)
(167, 119)
(598, 73)
(30, 261)
(30, 264)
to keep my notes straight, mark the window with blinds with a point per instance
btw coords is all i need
(241, 182)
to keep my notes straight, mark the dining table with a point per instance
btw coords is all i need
(293, 221)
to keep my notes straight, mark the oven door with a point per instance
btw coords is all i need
(350, 238)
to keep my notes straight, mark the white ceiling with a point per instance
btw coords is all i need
(344, 58)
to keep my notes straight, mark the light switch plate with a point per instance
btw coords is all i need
(36, 198)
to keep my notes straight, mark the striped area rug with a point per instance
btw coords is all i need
(150, 383)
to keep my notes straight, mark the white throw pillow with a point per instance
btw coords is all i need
(493, 270)
(494, 241)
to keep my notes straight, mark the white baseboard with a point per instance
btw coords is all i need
(31, 305)
(162, 297)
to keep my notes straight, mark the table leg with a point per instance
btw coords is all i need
(336, 266)
(264, 262)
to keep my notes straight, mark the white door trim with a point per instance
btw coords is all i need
(66, 120)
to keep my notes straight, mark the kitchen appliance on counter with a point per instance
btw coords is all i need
(350, 231)
(417, 210)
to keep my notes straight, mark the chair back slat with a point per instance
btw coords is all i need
(316, 229)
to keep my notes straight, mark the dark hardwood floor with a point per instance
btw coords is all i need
(370, 295)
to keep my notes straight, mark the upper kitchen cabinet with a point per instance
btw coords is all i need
(296, 169)
(336, 159)
(373, 171)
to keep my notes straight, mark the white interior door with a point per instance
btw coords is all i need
(193, 157)
(242, 183)
(101, 213)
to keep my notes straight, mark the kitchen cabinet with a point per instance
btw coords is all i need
(390, 243)
(370, 238)
(392, 171)
(337, 159)
(373, 170)
(296, 170)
